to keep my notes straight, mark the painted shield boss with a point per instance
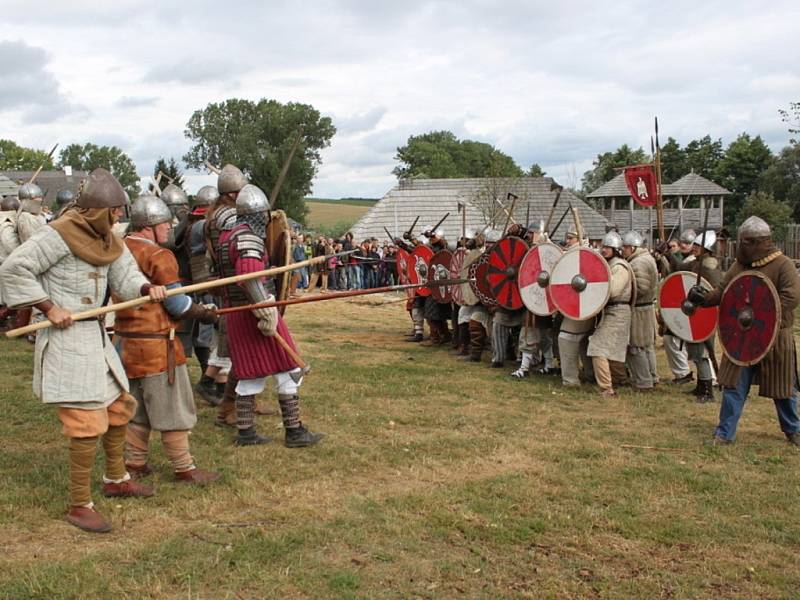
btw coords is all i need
(749, 318)
(440, 269)
(580, 283)
(691, 324)
(505, 258)
(419, 268)
(534, 278)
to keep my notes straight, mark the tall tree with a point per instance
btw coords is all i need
(171, 173)
(792, 118)
(782, 179)
(441, 155)
(536, 171)
(605, 166)
(257, 138)
(740, 170)
(673, 161)
(91, 156)
(14, 157)
(703, 156)
(776, 213)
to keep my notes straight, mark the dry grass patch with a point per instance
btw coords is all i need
(439, 478)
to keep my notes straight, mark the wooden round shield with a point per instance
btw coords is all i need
(440, 269)
(279, 249)
(688, 322)
(505, 258)
(456, 262)
(401, 266)
(534, 278)
(465, 296)
(478, 271)
(419, 267)
(749, 318)
(580, 283)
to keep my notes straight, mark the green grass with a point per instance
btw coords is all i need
(368, 202)
(438, 479)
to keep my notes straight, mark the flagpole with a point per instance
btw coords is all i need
(659, 198)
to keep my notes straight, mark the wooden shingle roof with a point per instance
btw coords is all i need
(432, 198)
(51, 182)
(690, 184)
(7, 187)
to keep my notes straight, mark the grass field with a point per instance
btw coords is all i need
(327, 213)
(438, 479)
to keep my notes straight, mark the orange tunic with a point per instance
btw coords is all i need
(145, 335)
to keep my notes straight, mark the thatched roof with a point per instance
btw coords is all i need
(690, 184)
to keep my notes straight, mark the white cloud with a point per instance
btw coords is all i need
(553, 84)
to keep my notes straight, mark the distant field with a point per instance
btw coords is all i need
(350, 201)
(328, 212)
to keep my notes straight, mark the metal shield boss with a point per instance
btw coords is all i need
(279, 250)
(419, 268)
(690, 323)
(580, 283)
(534, 278)
(478, 281)
(440, 269)
(505, 258)
(464, 296)
(749, 318)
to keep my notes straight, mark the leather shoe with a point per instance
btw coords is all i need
(127, 489)
(718, 441)
(139, 471)
(300, 437)
(87, 519)
(793, 439)
(688, 378)
(197, 476)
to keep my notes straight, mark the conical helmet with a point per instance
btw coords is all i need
(206, 196)
(612, 240)
(64, 197)
(148, 210)
(9, 203)
(754, 227)
(251, 200)
(101, 190)
(29, 191)
(632, 238)
(230, 179)
(172, 195)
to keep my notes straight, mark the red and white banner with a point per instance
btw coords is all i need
(641, 181)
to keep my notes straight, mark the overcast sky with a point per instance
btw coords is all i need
(548, 82)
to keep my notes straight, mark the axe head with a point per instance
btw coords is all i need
(555, 187)
(298, 374)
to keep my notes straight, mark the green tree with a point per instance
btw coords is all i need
(91, 156)
(703, 156)
(764, 205)
(257, 138)
(782, 178)
(536, 171)
(606, 165)
(14, 157)
(171, 174)
(740, 170)
(673, 161)
(792, 118)
(441, 155)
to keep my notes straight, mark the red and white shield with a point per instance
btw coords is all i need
(580, 283)
(419, 267)
(403, 258)
(534, 278)
(505, 258)
(690, 323)
(440, 270)
(456, 262)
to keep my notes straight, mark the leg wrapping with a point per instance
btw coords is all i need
(245, 411)
(176, 447)
(81, 459)
(137, 442)
(290, 410)
(114, 447)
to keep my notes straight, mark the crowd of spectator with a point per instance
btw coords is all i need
(370, 264)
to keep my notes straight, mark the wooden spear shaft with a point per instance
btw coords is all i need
(206, 285)
(336, 295)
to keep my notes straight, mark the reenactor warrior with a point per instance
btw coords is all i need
(64, 268)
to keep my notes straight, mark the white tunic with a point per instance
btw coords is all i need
(77, 366)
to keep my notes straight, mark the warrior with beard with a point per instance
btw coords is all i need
(776, 373)
(255, 352)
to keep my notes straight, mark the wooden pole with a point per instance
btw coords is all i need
(659, 196)
(206, 285)
(41, 166)
(511, 212)
(284, 169)
(289, 350)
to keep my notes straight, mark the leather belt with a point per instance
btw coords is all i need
(644, 304)
(616, 303)
(167, 337)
